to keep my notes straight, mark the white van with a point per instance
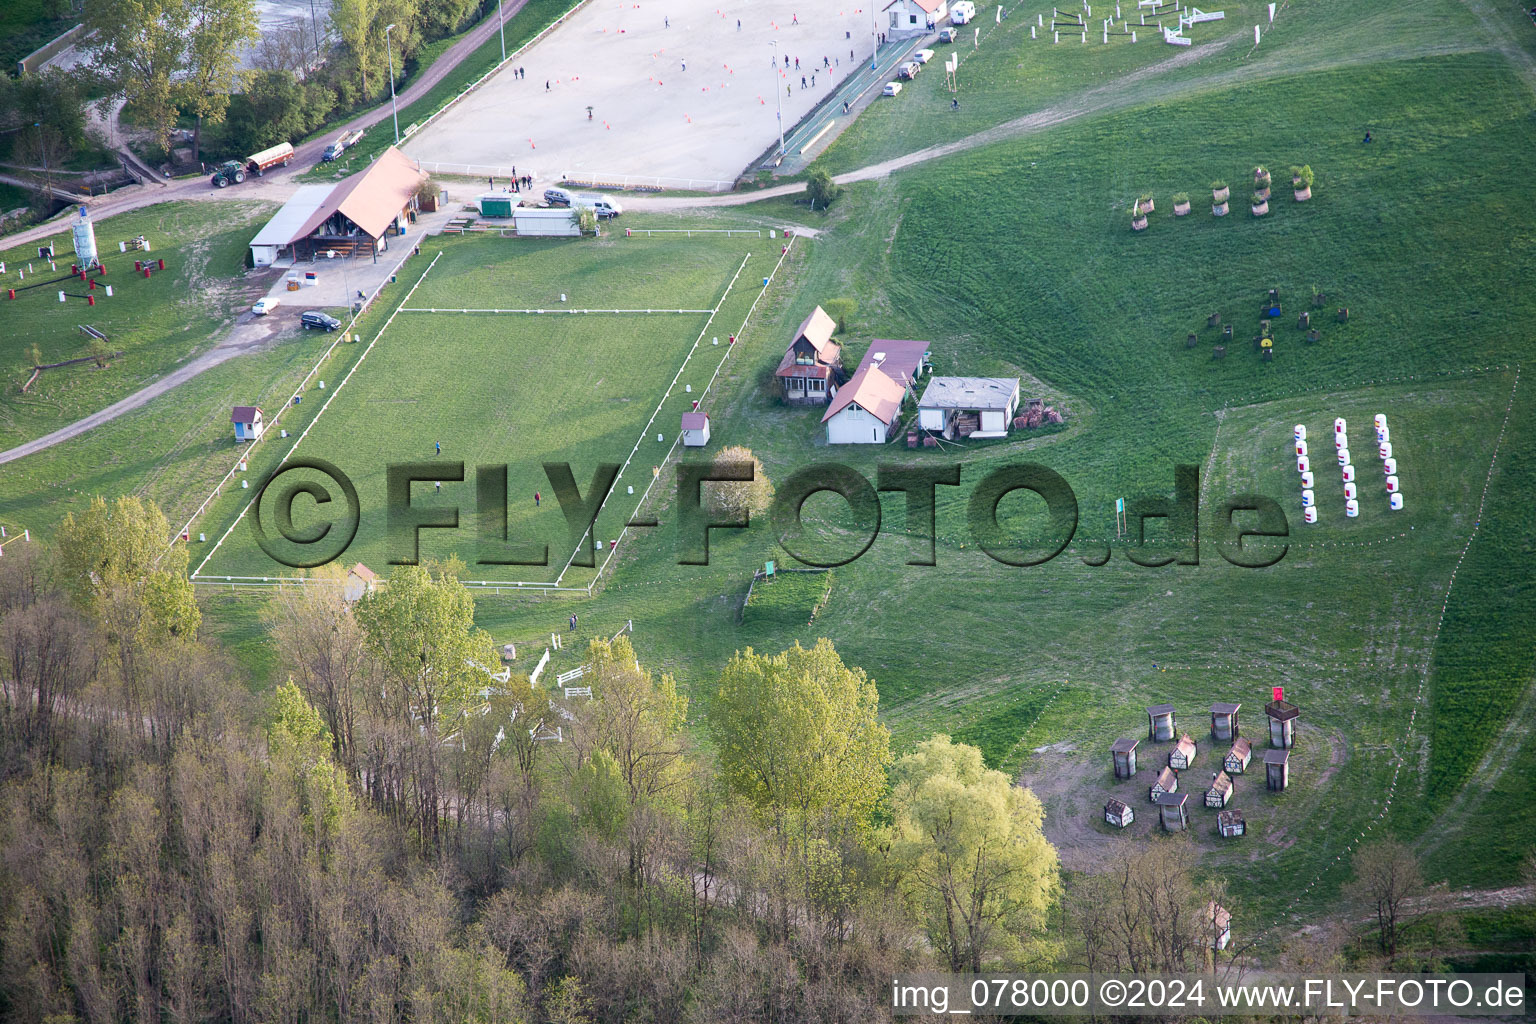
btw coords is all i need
(962, 12)
(603, 206)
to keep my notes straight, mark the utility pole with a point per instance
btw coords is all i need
(391, 54)
(778, 98)
(503, 28)
(314, 24)
(874, 40)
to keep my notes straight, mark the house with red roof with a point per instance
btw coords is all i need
(812, 368)
(867, 410)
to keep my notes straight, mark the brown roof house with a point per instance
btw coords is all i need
(1218, 924)
(812, 368)
(1231, 824)
(1167, 781)
(1236, 761)
(868, 408)
(1220, 793)
(1183, 753)
(1118, 813)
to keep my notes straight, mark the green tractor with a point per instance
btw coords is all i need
(230, 172)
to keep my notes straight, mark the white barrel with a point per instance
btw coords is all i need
(1301, 447)
(1339, 425)
(1301, 431)
(1383, 434)
(1381, 420)
(1351, 508)
(1389, 466)
(1350, 492)
(1349, 472)
(1306, 479)
(1344, 458)
(1302, 465)
(1396, 501)
(1385, 450)
(1391, 485)
(1306, 498)
(1340, 441)
(1310, 514)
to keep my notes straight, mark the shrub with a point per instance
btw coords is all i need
(1180, 198)
(744, 497)
(1218, 185)
(1302, 175)
(1261, 176)
(821, 188)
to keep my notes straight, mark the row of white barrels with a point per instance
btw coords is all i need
(1347, 468)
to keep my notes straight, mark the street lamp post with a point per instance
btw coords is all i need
(389, 50)
(502, 26)
(874, 40)
(778, 98)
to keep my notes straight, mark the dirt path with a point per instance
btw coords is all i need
(246, 336)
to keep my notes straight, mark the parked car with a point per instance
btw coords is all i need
(891, 89)
(909, 70)
(946, 35)
(604, 207)
(558, 197)
(923, 56)
(341, 145)
(265, 306)
(313, 318)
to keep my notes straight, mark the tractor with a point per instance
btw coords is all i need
(230, 172)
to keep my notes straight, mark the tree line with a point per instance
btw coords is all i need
(387, 836)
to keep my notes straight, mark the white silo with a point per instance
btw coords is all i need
(85, 240)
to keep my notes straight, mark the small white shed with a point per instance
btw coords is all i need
(968, 406)
(695, 429)
(360, 581)
(247, 421)
(532, 222)
(278, 233)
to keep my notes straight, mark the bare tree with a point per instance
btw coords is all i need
(1387, 876)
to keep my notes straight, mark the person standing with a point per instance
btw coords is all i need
(535, 499)
(795, 20)
(439, 447)
(802, 81)
(738, 24)
(667, 23)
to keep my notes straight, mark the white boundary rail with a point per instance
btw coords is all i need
(690, 232)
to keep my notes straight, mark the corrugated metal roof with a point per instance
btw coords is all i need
(285, 223)
(970, 393)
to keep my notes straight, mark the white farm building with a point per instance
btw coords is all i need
(968, 406)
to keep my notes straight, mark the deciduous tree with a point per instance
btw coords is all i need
(977, 867)
(1387, 876)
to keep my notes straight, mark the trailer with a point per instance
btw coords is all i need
(278, 155)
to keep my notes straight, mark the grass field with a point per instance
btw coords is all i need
(1044, 667)
(522, 389)
(158, 323)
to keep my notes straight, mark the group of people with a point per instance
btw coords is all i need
(519, 181)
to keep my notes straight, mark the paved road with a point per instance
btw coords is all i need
(277, 183)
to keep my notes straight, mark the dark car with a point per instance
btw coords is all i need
(314, 318)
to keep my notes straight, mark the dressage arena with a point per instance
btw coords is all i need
(649, 115)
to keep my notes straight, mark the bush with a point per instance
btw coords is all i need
(822, 190)
(746, 497)
(1180, 198)
(1302, 176)
(1218, 185)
